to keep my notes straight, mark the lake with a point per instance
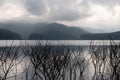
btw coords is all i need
(81, 64)
(56, 42)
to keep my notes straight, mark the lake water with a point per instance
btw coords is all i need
(56, 42)
(25, 62)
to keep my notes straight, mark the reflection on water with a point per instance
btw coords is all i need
(55, 42)
(39, 62)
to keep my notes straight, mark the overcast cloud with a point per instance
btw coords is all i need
(35, 7)
(107, 2)
(95, 13)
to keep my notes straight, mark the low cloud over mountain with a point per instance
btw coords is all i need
(89, 13)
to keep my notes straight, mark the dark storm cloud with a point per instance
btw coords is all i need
(35, 7)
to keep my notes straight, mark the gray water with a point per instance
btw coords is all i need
(22, 66)
(56, 42)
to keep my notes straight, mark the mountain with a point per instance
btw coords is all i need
(101, 36)
(57, 31)
(44, 30)
(52, 31)
(23, 29)
(8, 35)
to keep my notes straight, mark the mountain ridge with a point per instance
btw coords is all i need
(9, 35)
(101, 36)
(54, 31)
(27, 29)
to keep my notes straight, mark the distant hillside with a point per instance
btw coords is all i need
(101, 36)
(52, 31)
(8, 35)
(44, 30)
(24, 29)
(57, 31)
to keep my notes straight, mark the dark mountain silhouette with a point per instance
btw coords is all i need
(101, 36)
(8, 35)
(44, 30)
(51, 31)
(57, 31)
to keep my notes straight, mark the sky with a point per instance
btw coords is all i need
(101, 14)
